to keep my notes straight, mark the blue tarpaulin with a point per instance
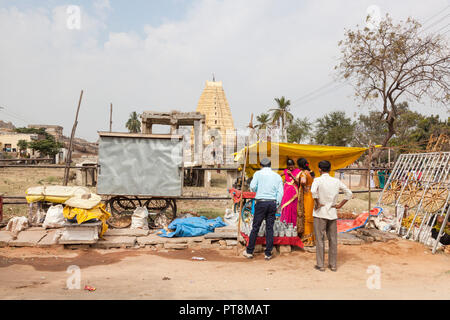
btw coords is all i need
(192, 227)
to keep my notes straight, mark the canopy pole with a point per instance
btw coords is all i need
(241, 201)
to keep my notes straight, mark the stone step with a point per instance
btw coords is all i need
(127, 232)
(108, 242)
(5, 238)
(349, 239)
(221, 235)
(378, 235)
(226, 229)
(50, 239)
(27, 238)
(151, 239)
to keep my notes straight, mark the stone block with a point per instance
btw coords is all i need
(50, 239)
(176, 246)
(27, 239)
(177, 240)
(365, 238)
(127, 232)
(226, 229)
(108, 242)
(5, 237)
(349, 239)
(231, 242)
(151, 239)
(379, 235)
(85, 233)
(77, 246)
(221, 235)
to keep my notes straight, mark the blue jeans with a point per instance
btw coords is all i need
(263, 210)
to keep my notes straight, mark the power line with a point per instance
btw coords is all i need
(436, 14)
(436, 22)
(12, 115)
(332, 89)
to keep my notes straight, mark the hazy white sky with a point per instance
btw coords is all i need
(157, 55)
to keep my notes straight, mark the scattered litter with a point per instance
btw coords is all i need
(89, 288)
(198, 258)
(166, 278)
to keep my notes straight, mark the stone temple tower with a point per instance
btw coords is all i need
(214, 105)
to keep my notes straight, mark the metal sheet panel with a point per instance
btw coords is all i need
(140, 166)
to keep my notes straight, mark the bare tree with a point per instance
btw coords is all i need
(393, 61)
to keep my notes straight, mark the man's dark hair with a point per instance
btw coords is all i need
(265, 163)
(325, 165)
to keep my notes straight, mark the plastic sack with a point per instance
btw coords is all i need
(54, 217)
(139, 219)
(231, 217)
(17, 224)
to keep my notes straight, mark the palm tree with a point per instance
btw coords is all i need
(263, 119)
(133, 124)
(282, 114)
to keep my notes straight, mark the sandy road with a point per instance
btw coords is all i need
(408, 271)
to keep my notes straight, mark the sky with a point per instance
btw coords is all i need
(157, 54)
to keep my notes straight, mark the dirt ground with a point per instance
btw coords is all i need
(408, 270)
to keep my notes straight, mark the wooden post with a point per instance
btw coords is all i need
(110, 119)
(241, 201)
(69, 153)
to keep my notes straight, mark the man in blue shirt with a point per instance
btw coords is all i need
(268, 186)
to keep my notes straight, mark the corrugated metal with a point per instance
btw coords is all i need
(140, 166)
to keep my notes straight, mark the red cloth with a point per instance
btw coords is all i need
(236, 194)
(345, 225)
(293, 241)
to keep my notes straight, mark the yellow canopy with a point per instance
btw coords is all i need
(339, 157)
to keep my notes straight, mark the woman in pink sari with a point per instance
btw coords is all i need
(290, 196)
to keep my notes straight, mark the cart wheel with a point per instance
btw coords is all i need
(411, 195)
(121, 209)
(390, 195)
(161, 212)
(435, 198)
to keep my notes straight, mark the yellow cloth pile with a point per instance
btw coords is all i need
(83, 215)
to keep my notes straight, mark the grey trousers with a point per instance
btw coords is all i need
(328, 227)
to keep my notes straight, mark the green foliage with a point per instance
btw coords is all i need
(281, 114)
(31, 130)
(264, 120)
(133, 124)
(22, 145)
(298, 130)
(334, 129)
(46, 147)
